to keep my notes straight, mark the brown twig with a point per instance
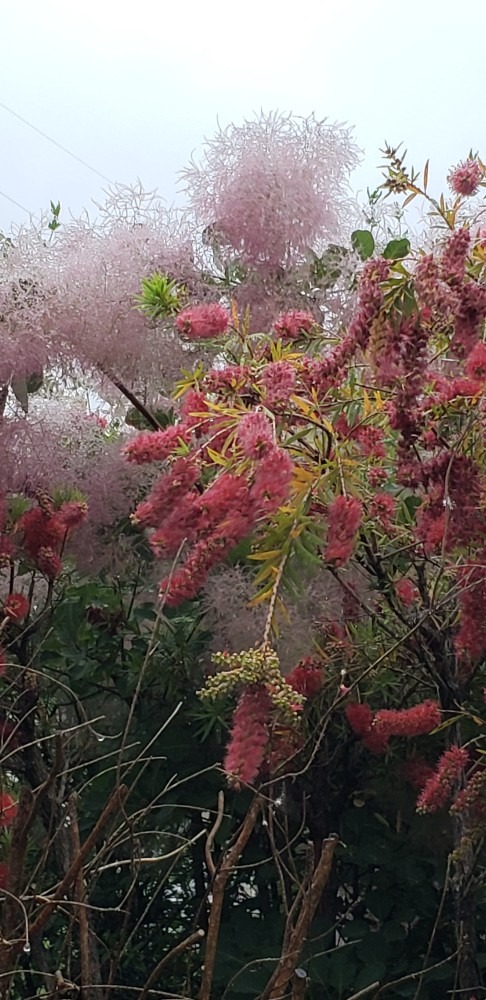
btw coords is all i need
(114, 802)
(176, 950)
(226, 868)
(282, 976)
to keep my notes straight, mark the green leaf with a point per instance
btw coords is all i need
(397, 249)
(363, 242)
(34, 382)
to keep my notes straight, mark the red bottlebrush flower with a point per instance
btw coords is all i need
(7, 549)
(179, 526)
(8, 809)
(472, 798)
(439, 787)
(72, 513)
(4, 873)
(49, 563)
(272, 480)
(360, 717)
(277, 381)
(454, 256)
(470, 314)
(306, 678)
(249, 736)
(290, 325)
(470, 641)
(344, 518)
(415, 721)
(406, 591)
(203, 322)
(16, 607)
(370, 441)
(227, 380)
(417, 772)
(476, 363)
(167, 492)
(194, 411)
(383, 507)
(255, 435)
(156, 445)
(465, 179)
(41, 531)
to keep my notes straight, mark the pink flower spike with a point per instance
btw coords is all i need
(203, 322)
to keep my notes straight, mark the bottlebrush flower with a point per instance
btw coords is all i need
(290, 325)
(277, 381)
(415, 721)
(8, 809)
(16, 607)
(49, 562)
(249, 736)
(7, 549)
(72, 513)
(360, 717)
(41, 530)
(343, 521)
(472, 798)
(255, 435)
(465, 179)
(454, 256)
(417, 772)
(203, 322)
(272, 480)
(406, 591)
(439, 787)
(155, 446)
(307, 677)
(476, 363)
(470, 640)
(167, 492)
(383, 507)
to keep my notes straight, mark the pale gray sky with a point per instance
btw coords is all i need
(133, 87)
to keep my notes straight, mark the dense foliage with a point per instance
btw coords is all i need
(242, 543)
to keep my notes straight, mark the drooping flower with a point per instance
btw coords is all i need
(465, 179)
(290, 325)
(255, 435)
(16, 607)
(277, 380)
(249, 735)
(343, 521)
(439, 787)
(272, 480)
(307, 677)
(476, 363)
(470, 640)
(472, 798)
(406, 591)
(8, 809)
(155, 446)
(203, 322)
(415, 721)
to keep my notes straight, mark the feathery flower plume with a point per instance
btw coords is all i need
(440, 786)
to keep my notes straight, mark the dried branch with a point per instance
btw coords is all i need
(226, 868)
(176, 950)
(278, 983)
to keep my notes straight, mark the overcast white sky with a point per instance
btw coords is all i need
(133, 87)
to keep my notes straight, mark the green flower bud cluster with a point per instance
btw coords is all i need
(254, 666)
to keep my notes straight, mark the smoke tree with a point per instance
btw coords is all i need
(285, 648)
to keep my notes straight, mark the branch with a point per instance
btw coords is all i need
(280, 979)
(227, 867)
(176, 950)
(114, 802)
(137, 403)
